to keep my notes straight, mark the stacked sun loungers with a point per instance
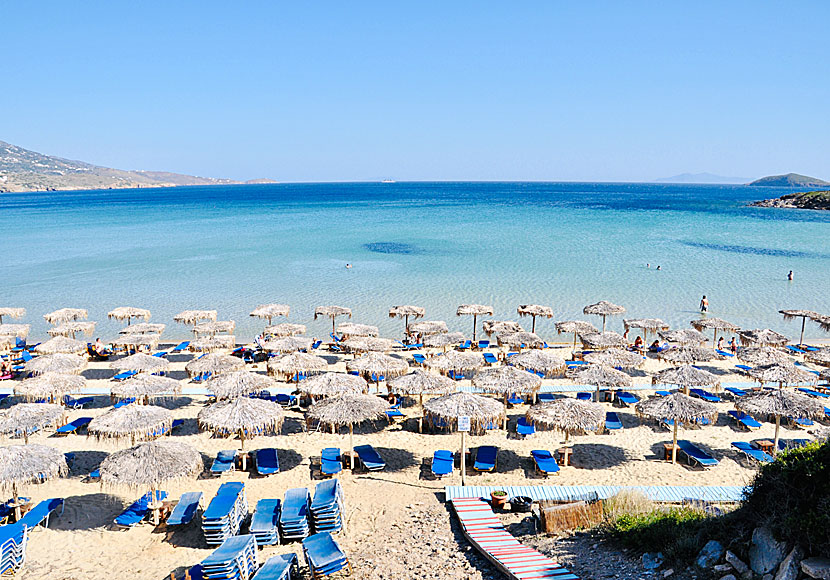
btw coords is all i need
(235, 558)
(280, 567)
(486, 533)
(293, 524)
(12, 547)
(264, 522)
(327, 507)
(324, 556)
(225, 513)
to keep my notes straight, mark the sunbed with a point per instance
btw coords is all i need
(394, 412)
(794, 350)
(122, 376)
(584, 396)
(813, 393)
(224, 462)
(723, 352)
(627, 398)
(736, 391)
(264, 522)
(745, 420)
(466, 345)
(181, 346)
(486, 457)
(293, 522)
(801, 422)
(515, 399)
(419, 358)
(545, 462)
(612, 421)
(138, 510)
(662, 393)
(705, 395)
(743, 368)
(331, 463)
(225, 513)
(41, 512)
(524, 428)
(442, 463)
(753, 453)
(279, 567)
(482, 344)
(490, 358)
(324, 556)
(184, 511)
(73, 426)
(696, 454)
(124, 402)
(267, 462)
(370, 458)
(327, 507)
(76, 403)
(546, 397)
(235, 558)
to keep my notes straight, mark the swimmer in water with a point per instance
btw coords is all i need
(348, 266)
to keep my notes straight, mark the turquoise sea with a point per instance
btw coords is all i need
(431, 244)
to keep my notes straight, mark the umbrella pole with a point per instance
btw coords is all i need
(674, 444)
(406, 324)
(463, 461)
(474, 326)
(533, 324)
(244, 455)
(715, 339)
(775, 443)
(351, 444)
(603, 323)
(803, 322)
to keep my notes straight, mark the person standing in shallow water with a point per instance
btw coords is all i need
(704, 304)
(790, 276)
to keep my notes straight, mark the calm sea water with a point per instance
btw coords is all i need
(432, 244)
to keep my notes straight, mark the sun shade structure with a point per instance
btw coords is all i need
(332, 312)
(349, 329)
(601, 340)
(539, 361)
(474, 310)
(823, 321)
(645, 324)
(65, 315)
(194, 316)
(285, 329)
(616, 357)
(55, 363)
(687, 354)
(19, 330)
(568, 415)
(686, 376)
(292, 365)
(821, 356)
(24, 464)
(406, 312)
(212, 343)
(575, 327)
(427, 327)
(803, 315)
(785, 373)
(11, 312)
(507, 380)
(420, 382)
(715, 324)
(780, 403)
(243, 416)
(133, 421)
(680, 408)
(456, 361)
(492, 327)
(443, 340)
(143, 328)
(270, 311)
(348, 409)
(137, 340)
(213, 327)
(61, 344)
(534, 310)
(141, 363)
(49, 386)
(368, 344)
(683, 336)
(128, 313)
(520, 340)
(72, 328)
(23, 419)
(762, 355)
(287, 344)
(482, 411)
(604, 309)
(238, 384)
(146, 387)
(600, 376)
(215, 364)
(374, 365)
(331, 384)
(763, 337)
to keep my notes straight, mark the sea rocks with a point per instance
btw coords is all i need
(652, 560)
(739, 565)
(816, 568)
(788, 570)
(766, 552)
(728, 577)
(710, 554)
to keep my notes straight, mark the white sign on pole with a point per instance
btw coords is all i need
(464, 424)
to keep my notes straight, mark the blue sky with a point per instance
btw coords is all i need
(327, 91)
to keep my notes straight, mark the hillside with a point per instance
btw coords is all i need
(789, 180)
(25, 170)
(809, 200)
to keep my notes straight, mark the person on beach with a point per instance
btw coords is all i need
(790, 276)
(733, 345)
(704, 304)
(638, 343)
(100, 348)
(260, 341)
(655, 346)
(720, 343)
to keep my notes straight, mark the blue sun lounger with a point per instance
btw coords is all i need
(490, 358)
(138, 510)
(546, 397)
(813, 393)
(545, 462)
(744, 368)
(12, 547)
(695, 453)
(442, 463)
(235, 558)
(394, 412)
(279, 567)
(745, 420)
(486, 457)
(331, 462)
(267, 462)
(524, 428)
(419, 358)
(224, 462)
(324, 556)
(705, 395)
(124, 403)
(627, 398)
(735, 391)
(612, 421)
(264, 522)
(370, 458)
(181, 346)
(184, 511)
(795, 350)
(723, 352)
(78, 403)
(515, 399)
(41, 512)
(293, 522)
(583, 396)
(73, 426)
(753, 453)
(124, 375)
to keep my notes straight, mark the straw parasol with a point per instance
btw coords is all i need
(368, 344)
(212, 343)
(213, 327)
(151, 465)
(605, 339)
(780, 403)
(645, 324)
(374, 365)
(680, 408)
(138, 340)
(133, 421)
(686, 376)
(348, 329)
(785, 373)
(762, 355)
(24, 419)
(823, 321)
(22, 464)
(215, 364)
(243, 416)
(687, 354)
(291, 365)
(287, 344)
(683, 336)
(443, 340)
(19, 330)
(194, 316)
(270, 311)
(456, 361)
(285, 329)
(600, 376)
(604, 308)
(145, 387)
(506, 380)
(427, 327)
(332, 312)
(143, 328)
(820, 356)
(615, 357)
(520, 340)
(60, 344)
(55, 363)
(405, 312)
(49, 386)
(535, 310)
(141, 363)
(65, 315)
(825, 375)
(128, 313)
(803, 315)
(715, 324)
(474, 310)
(348, 409)
(331, 384)
(575, 327)
(539, 361)
(568, 415)
(238, 384)
(420, 382)
(764, 337)
(492, 327)
(11, 312)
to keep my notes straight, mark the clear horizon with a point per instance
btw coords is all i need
(595, 92)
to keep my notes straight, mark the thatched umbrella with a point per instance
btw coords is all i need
(49, 386)
(605, 339)
(238, 384)
(481, 411)
(348, 409)
(520, 340)
(133, 421)
(55, 363)
(443, 340)
(7, 342)
(823, 321)
(243, 416)
(22, 464)
(128, 313)
(368, 344)
(456, 361)
(11, 312)
(194, 316)
(803, 315)
(568, 415)
(61, 344)
(680, 408)
(214, 327)
(24, 419)
(420, 382)
(212, 343)
(138, 340)
(151, 465)
(141, 363)
(616, 358)
(65, 315)
(143, 328)
(348, 329)
(427, 327)
(575, 327)
(331, 384)
(375, 364)
(683, 336)
(604, 308)
(762, 355)
(539, 361)
(821, 356)
(785, 373)
(715, 324)
(332, 312)
(270, 311)
(287, 344)
(535, 310)
(825, 375)
(780, 403)
(19, 330)
(646, 325)
(405, 312)
(687, 354)
(291, 365)
(215, 364)
(145, 387)
(285, 329)
(492, 327)
(506, 380)
(474, 310)
(764, 337)
(600, 376)
(686, 376)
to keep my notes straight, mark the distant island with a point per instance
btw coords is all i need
(25, 170)
(789, 180)
(702, 178)
(808, 200)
